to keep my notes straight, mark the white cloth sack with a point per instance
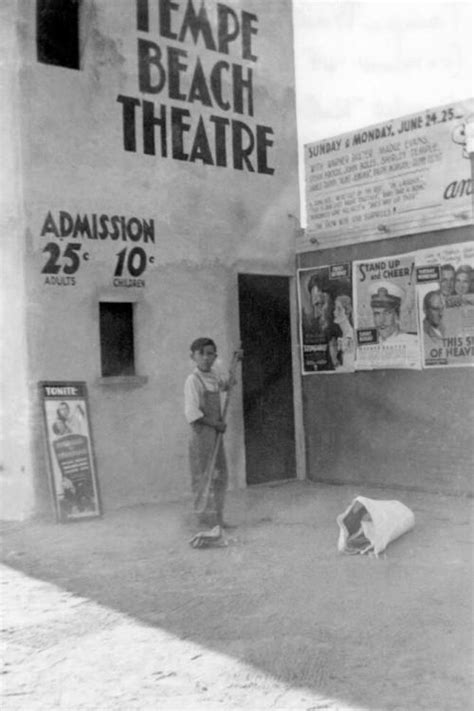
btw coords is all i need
(369, 525)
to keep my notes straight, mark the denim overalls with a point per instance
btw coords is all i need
(201, 446)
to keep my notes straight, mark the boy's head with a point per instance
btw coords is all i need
(203, 353)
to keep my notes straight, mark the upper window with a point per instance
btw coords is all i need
(57, 32)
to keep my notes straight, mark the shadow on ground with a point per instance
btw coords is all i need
(387, 633)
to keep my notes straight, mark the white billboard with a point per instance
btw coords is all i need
(400, 177)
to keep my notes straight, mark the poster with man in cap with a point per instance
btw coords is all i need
(385, 313)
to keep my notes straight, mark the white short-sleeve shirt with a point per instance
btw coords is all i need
(194, 386)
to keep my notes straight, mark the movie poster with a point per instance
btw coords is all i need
(326, 319)
(445, 286)
(73, 477)
(386, 320)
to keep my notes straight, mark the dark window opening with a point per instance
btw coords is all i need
(57, 32)
(116, 339)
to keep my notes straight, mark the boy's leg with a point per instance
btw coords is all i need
(200, 445)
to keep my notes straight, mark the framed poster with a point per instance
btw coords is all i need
(72, 472)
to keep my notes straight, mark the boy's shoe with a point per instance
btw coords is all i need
(209, 539)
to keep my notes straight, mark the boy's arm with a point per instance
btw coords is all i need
(218, 425)
(226, 380)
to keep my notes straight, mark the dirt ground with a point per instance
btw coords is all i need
(121, 613)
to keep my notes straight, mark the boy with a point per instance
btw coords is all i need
(202, 407)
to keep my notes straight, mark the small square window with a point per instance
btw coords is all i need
(57, 32)
(117, 353)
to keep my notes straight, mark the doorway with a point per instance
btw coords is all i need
(267, 379)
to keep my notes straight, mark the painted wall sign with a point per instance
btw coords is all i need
(73, 477)
(403, 176)
(76, 236)
(187, 56)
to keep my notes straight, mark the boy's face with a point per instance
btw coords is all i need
(205, 359)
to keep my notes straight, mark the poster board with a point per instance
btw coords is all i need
(395, 426)
(72, 471)
(404, 176)
(407, 311)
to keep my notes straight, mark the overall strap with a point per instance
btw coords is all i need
(201, 380)
(203, 383)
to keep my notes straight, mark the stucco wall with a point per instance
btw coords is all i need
(209, 223)
(16, 490)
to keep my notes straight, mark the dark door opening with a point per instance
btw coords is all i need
(267, 380)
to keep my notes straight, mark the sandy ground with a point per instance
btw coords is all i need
(121, 613)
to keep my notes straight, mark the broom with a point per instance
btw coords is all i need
(203, 495)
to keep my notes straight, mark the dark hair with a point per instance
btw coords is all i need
(315, 280)
(464, 269)
(447, 268)
(427, 298)
(58, 411)
(200, 343)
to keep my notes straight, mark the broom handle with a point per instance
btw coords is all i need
(232, 369)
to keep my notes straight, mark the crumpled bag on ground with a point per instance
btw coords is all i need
(369, 525)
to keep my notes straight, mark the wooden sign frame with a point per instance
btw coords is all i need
(72, 471)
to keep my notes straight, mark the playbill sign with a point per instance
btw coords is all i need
(399, 177)
(72, 472)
